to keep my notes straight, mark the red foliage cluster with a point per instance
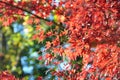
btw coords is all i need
(91, 26)
(5, 75)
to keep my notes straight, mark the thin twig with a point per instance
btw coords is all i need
(8, 4)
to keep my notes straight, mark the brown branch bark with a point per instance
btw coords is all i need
(35, 15)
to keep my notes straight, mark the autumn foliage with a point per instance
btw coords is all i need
(90, 27)
(5, 75)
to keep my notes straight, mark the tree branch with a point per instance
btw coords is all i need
(8, 4)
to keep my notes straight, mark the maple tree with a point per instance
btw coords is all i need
(90, 28)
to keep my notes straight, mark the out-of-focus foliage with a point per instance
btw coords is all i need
(18, 52)
(5, 75)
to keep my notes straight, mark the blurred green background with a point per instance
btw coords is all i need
(18, 52)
